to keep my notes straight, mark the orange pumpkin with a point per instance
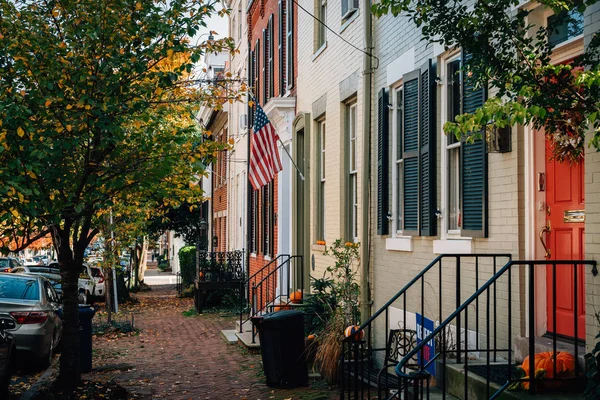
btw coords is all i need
(311, 337)
(565, 363)
(296, 297)
(280, 307)
(352, 331)
(201, 276)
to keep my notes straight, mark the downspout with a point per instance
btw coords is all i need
(365, 300)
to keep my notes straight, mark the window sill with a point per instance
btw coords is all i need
(453, 246)
(401, 243)
(567, 42)
(319, 51)
(253, 255)
(267, 257)
(318, 247)
(348, 20)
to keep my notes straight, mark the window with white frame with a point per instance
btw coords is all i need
(289, 44)
(352, 173)
(453, 145)
(321, 129)
(413, 146)
(349, 7)
(465, 201)
(320, 23)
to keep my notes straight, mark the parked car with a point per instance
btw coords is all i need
(41, 260)
(98, 276)
(7, 352)
(85, 283)
(8, 263)
(33, 303)
(49, 273)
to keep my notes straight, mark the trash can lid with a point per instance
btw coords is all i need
(283, 314)
(87, 311)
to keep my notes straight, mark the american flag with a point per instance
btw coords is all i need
(264, 156)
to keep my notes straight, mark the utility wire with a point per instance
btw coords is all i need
(338, 35)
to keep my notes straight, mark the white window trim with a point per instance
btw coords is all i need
(353, 173)
(322, 176)
(455, 245)
(396, 230)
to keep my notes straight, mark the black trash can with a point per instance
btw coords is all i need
(86, 313)
(282, 346)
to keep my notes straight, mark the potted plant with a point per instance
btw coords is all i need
(339, 297)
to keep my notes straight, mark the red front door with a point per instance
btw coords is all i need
(565, 241)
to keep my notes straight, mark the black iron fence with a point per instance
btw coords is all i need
(370, 356)
(481, 352)
(222, 266)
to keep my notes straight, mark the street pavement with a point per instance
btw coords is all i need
(183, 357)
(154, 277)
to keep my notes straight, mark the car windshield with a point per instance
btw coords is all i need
(23, 288)
(4, 263)
(96, 273)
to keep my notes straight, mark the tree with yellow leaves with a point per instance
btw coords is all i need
(97, 109)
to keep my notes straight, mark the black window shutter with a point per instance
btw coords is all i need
(382, 162)
(410, 125)
(473, 175)
(427, 199)
(264, 61)
(281, 41)
(258, 79)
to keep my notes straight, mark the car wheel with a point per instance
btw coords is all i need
(47, 360)
(5, 380)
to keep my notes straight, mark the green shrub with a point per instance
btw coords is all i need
(163, 266)
(187, 264)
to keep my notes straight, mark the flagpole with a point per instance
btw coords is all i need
(292, 160)
(282, 145)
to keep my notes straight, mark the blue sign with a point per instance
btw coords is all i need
(424, 328)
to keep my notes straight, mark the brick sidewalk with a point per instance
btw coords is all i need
(177, 357)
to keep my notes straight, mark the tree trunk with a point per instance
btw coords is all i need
(69, 375)
(143, 256)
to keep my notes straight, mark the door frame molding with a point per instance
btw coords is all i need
(302, 122)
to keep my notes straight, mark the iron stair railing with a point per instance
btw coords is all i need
(261, 287)
(418, 381)
(359, 375)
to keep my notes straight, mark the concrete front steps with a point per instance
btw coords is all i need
(476, 386)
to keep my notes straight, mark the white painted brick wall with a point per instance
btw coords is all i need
(317, 77)
(592, 207)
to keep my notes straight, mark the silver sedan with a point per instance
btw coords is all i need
(32, 302)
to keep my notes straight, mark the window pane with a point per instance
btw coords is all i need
(564, 27)
(399, 174)
(399, 125)
(454, 87)
(354, 203)
(352, 132)
(454, 189)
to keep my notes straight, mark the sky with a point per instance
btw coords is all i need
(215, 23)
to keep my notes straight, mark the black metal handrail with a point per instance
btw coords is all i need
(358, 367)
(419, 379)
(245, 297)
(263, 291)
